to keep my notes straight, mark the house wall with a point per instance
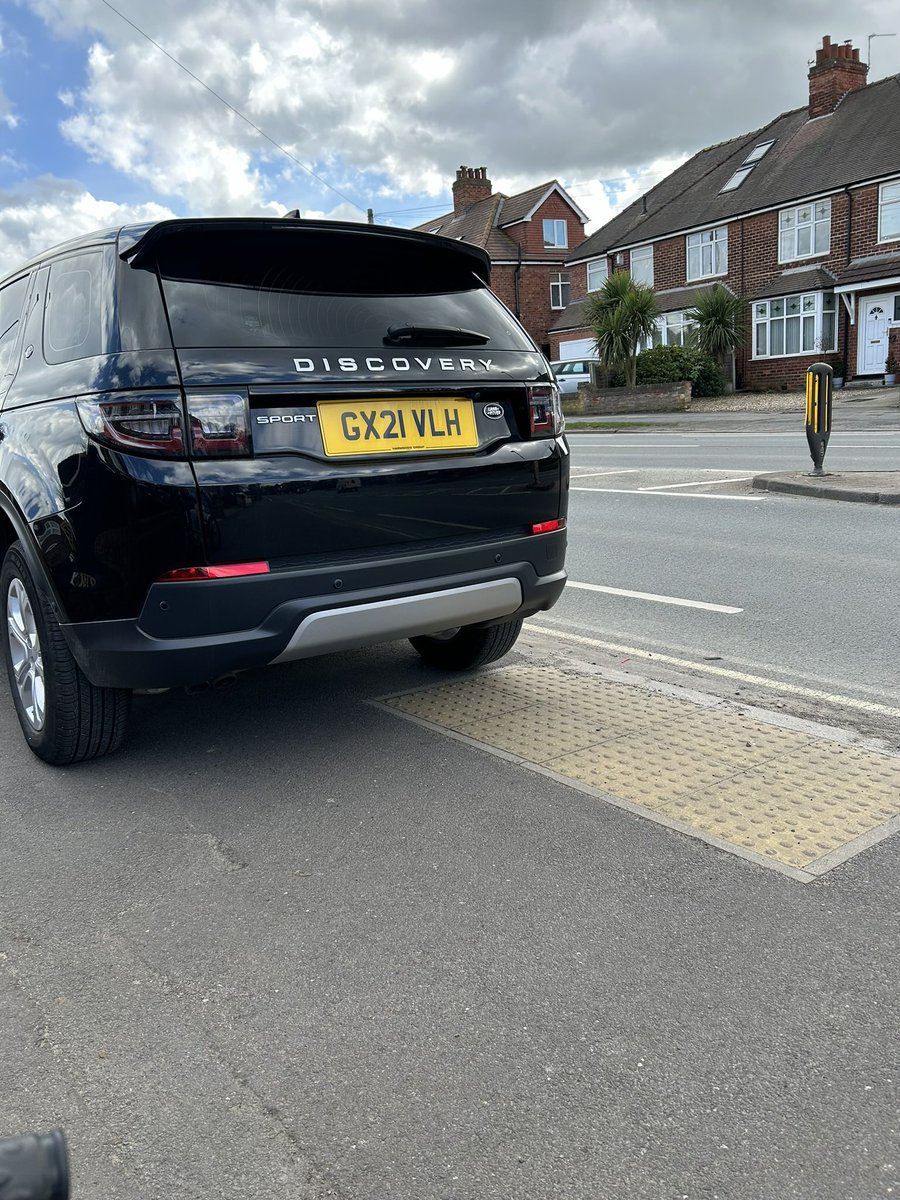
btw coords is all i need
(533, 302)
(530, 234)
(753, 266)
(534, 309)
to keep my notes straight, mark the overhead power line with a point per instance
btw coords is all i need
(237, 112)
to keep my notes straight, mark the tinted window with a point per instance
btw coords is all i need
(12, 297)
(207, 314)
(287, 287)
(72, 318)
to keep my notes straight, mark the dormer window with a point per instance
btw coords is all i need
(556, 235)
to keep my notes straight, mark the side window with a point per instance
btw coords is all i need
(12, 297)
(72, 317)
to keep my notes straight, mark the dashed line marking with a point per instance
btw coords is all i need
(679, 601)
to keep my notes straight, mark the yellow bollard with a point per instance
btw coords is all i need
(818, 413)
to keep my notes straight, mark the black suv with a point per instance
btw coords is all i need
(227, 443)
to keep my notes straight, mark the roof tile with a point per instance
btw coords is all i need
(859, 141)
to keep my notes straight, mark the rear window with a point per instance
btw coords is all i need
(298, 288)
(72, 320)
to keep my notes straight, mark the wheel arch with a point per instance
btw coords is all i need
(14, 528)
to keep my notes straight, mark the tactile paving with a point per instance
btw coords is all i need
(789, 797)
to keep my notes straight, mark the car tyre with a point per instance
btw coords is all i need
(467, 647)
(64, 717)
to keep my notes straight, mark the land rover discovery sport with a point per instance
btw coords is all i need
(227, 443)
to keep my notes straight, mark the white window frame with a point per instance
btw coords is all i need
(803, 216)
(596, 267)
(813, 319)
(644, 257)
(715, 242)
(889, 198)
(671, 330)
(759, 151)
(558, 238)
(560, 289)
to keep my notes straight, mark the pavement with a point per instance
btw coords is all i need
(853, 409)
(785, 794)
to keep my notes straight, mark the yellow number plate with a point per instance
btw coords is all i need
(392, 425)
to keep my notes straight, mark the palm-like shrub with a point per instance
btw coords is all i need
(621, 315)
(717, 319)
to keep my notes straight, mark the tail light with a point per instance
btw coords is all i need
(148, 421)
(218, 424)
(227, 571)
(549, 526)
(545, 413)
(153, 422)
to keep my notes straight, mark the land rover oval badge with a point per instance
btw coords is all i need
(494, 411)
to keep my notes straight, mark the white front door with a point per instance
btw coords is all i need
(873, 336)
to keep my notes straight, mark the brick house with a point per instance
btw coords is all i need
(801, 217)
(527, 238)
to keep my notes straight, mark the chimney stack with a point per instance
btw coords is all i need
(836, 71)
(470, 186)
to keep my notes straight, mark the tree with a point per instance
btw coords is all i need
(715, 317)
(621, 315)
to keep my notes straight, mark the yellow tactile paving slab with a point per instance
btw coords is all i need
(788, 798)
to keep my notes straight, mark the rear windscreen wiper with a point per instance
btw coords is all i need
(433, 335)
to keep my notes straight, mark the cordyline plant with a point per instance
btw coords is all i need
(621, 315)
(715, 317)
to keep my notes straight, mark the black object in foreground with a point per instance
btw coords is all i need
(34, 1167)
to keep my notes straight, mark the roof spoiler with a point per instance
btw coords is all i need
(141, 252)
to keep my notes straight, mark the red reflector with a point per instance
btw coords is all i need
(549, 526)
(230, 571)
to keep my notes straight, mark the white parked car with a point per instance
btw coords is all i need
(571, 372)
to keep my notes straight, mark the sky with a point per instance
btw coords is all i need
(375, 103)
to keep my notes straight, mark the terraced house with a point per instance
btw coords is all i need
(801, 217)
(527, 238)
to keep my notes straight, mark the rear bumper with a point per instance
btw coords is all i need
(191, 632)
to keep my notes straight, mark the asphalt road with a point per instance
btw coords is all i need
(753, 453)
(814, 582)
(288, 944)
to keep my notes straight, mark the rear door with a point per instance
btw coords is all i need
(353, 391)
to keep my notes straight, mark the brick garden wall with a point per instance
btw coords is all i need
(657, 397)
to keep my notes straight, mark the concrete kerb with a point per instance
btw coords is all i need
(860, 487)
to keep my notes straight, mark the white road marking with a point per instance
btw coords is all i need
(610, 445)
(617, 471)
(677, 600)
(794, 689)
(680, 495)
(662, 487)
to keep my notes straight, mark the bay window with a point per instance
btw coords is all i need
(787, 325)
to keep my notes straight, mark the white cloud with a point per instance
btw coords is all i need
(411, 88)
(385, 100)
(7, 113)
(49, 211)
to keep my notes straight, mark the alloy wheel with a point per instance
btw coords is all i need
(25, 654)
